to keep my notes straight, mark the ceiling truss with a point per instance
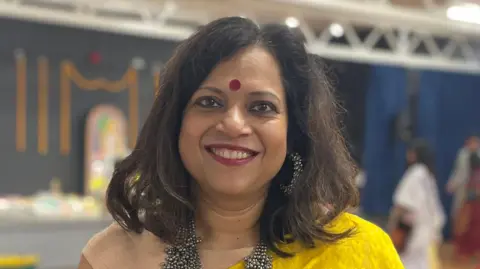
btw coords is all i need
(406, 47)
(374, 31)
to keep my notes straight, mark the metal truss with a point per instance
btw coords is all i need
(427, 17)
(397, 46)
(374, 31)
(142, 18)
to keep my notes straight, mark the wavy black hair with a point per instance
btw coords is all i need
(424, 154)
(162, 191)
(474, 161)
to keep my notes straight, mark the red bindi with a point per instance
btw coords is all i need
(235, 85)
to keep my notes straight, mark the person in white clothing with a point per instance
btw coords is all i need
(360, 180)
(416, 201)
(458, 180)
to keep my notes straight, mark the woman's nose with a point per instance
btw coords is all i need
(234, 123)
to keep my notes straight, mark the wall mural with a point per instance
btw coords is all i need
(69, 73)
(42, 114)
(156, 82)
(105, 143)
(21, 101)
(21, 62)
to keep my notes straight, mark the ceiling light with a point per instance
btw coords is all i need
(336, 30)
(469, 13)
(292, 22)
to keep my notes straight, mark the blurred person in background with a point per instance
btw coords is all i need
(467, 222)
(458, 180)
(360, 179)
(417, 209)
(235, 164)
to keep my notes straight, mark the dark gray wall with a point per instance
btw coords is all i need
(28, 172)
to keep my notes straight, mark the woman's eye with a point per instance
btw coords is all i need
(208, 102)
(263, 108)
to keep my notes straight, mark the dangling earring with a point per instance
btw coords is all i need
(297, 171)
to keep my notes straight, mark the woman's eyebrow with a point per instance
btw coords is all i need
(264, 94)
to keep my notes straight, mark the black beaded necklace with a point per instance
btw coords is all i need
(184, 255)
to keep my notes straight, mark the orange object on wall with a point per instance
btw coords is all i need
(69, 73)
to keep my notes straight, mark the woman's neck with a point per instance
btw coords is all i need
(228, 224)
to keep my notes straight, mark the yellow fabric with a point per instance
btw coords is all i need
(18, 261)
(368, 248)
(434, 257)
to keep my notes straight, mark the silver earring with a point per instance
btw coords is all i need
(297, 171)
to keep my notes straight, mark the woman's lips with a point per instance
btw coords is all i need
(231, 155)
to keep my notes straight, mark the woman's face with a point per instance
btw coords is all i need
(233, 142)
(473, 143)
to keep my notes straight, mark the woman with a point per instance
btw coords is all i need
(417, 204)
(457, 184)
(236, 163)
(467, 230)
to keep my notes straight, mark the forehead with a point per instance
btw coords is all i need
(254, 67)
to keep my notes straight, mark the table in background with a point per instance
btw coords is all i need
(57, 242)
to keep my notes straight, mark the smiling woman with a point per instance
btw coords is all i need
(236, 165)
(241, 133)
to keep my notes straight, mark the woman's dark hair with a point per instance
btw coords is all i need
(117, 163)
(423, 154)
(474, 161)
(161, 188)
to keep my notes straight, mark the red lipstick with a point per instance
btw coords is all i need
(229, 154)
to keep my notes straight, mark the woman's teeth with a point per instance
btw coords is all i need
(231, 154)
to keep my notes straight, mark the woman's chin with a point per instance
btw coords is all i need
(231, 188)
(229, 191)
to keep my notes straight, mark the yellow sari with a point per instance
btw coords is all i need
(434, 258)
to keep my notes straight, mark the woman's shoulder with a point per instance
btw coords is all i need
(368, 246)
(104, 247)
(417, 170)
(411, 177)
(114, 247)
(363, 231)
(366, 237)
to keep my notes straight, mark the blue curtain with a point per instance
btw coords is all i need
(448, 112)
(384, 155)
